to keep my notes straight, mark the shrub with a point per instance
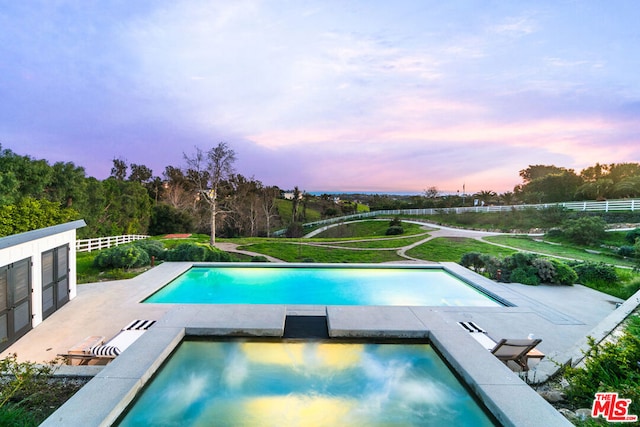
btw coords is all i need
(521, 267)
(395, 222)
(519, 259)
(472, 260)
(545, 270)
(585, 230)
(153, 248)
(564, 274)
(491, 267)
(123, 256)
(295, 229)
(608, 367)
(15, 416)
(27, 394)
(508, 264)
(197, 252)
(593, 273)
(166, 219)
(22, 379)
(627, 251)
(554, 233)
(632, 236)
(394, 230)
(259, 258)
(524, 275)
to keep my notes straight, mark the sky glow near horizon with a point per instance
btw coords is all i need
(325, 95)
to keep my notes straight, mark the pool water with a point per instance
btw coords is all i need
(321, 286)
(295, 383)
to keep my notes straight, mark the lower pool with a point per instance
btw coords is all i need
(295, 383)
(322, 285)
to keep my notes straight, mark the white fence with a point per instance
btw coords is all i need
(88, 245)
(632, 205)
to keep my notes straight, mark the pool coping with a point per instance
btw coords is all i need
(466, 276)
(511, 401)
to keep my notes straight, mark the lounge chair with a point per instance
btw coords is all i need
(94, 349)
(515, 350)
(519, 351)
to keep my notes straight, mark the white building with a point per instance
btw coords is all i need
(37, 277)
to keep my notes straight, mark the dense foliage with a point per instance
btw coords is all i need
(395, 227)
(197, 252)
(141, 252)
(28, 395)
(521, 267)
(584, 231)
(594, 273)
(30, 214)
(134, 201)
(609, 367)
(124, 256)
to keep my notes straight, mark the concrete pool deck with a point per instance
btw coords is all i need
(102, 400)
(561, 316)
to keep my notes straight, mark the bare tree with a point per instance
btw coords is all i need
(268, 202)
(178, 191)
(431, 192)
(207, 171)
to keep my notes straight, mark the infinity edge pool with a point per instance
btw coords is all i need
(462, 291)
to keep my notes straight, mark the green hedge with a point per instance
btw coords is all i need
(197, 252)
(123, 256)
(521, 267)
(139, 254)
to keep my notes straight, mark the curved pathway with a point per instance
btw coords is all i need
(440, 231)
(432, 231)
(233, 247)
(435, 231)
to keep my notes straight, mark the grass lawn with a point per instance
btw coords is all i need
(452, 248)
(300, 252)
(367, 230)
(526, 243)
(87, 273)
(390, 243)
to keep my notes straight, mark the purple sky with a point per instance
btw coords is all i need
(326, 95)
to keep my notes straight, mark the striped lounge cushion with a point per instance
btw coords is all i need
(105, 350)
(139, 325)
(472, 327)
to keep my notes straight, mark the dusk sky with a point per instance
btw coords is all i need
(325, 95)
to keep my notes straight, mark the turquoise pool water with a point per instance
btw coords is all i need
(321, 286)
(295, 383)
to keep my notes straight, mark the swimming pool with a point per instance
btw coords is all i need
(322, 285)
(293, 383)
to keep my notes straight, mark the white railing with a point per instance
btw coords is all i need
(88, 245)
(632, 205)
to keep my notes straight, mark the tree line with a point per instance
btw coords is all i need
(132, 200)
(540, 184)
(207, 194)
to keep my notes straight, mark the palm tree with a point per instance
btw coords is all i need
(508, 198)
(485, 196)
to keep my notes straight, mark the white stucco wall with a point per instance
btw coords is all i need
(33, 249)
